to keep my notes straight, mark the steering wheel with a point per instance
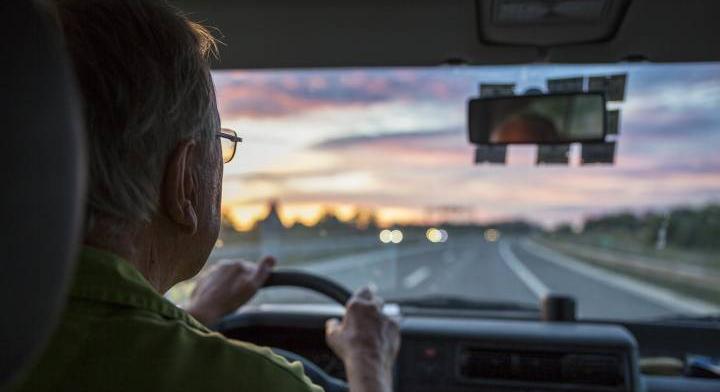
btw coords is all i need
(311, 282)
(324, 286)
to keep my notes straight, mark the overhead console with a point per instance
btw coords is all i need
(547, 22)
(495, 355)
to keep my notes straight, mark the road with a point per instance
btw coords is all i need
(510, 270)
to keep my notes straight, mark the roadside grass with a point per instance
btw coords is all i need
(623, 241)
(705, 293)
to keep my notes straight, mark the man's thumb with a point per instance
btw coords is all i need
(264, 268)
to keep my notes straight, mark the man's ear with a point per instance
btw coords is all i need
(179, 188)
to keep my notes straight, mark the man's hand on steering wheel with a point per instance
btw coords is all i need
(226, 286)
(367, 341)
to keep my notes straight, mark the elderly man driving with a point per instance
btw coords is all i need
(153, 216)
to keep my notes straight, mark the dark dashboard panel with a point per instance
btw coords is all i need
(303, 334)
(439, 353)
(495, 355)
(680, 384)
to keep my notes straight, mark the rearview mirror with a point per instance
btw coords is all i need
(537, 119)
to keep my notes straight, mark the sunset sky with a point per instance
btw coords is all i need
(394, 141)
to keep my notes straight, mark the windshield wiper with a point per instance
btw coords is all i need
(456, 302)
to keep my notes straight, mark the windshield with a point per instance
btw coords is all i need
(366, 176)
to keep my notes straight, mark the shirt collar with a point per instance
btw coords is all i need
(103, 276)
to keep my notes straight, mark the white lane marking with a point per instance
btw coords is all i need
(416, 277)
(526, 276)
(653, 293)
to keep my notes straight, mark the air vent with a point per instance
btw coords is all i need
(583, 369)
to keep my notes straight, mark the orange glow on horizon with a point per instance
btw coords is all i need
(345, 212)
(244, 217)
(307, 214)
(389, 216)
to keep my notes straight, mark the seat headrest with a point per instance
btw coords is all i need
(42, 176)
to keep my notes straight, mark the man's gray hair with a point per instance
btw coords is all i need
(144, 73)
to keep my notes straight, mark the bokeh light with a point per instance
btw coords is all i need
(396, 236)
(436, 235)
(492, 235)
(386, 236)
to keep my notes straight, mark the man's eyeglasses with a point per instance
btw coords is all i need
(228, 141)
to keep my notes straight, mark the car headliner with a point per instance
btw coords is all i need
(356, 33)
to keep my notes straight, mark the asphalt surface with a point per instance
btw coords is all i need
(515, 270)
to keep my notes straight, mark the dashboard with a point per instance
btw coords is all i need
(494, 355)
(463, 354)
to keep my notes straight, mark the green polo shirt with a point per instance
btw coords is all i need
(118, 334)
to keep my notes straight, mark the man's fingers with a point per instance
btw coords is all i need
(364, 293)
(331, 326)
(367, 294)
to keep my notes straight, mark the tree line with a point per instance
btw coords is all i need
(682, 227)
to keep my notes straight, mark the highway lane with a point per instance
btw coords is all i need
(597, 298)
(511, 270)
(603, 293)
(468, 267)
